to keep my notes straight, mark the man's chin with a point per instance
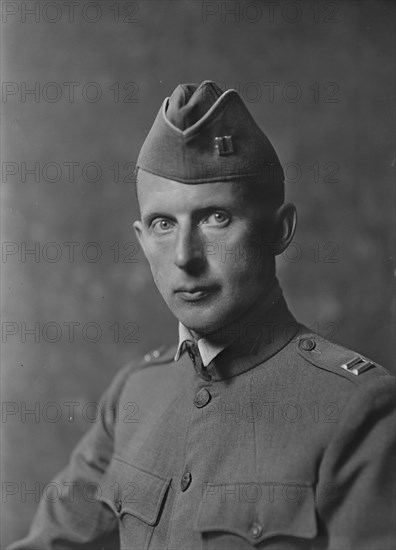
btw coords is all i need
(203, 323)
(199, 320)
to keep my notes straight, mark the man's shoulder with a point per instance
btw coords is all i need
(162, 355)
(338, 365)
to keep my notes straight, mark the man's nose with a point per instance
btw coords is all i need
(189, 250)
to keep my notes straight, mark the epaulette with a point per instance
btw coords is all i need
(163, 354)
(333, 357)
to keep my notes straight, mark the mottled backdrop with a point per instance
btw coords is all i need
(82, 83)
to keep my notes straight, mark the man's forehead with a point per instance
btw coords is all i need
(152, 188)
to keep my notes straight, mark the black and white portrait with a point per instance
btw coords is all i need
(197, 266)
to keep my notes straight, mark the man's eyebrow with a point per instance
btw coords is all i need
(211, 208)
(150, 216)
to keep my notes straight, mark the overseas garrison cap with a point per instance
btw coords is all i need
(203, 135)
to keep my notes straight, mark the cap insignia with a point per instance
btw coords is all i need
(223, 145)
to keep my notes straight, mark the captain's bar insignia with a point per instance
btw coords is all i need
(357, 365)
(223, 145)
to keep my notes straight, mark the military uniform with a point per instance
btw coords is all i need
(283, 442)
(269, 437)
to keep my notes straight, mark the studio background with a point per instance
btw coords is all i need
(321, 87)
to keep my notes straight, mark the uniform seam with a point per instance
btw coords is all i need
(254, 429)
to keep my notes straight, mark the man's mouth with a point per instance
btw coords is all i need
(195, 293)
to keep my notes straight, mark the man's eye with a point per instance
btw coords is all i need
(160, 226)
(217, 218)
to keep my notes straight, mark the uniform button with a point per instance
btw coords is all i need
(118, 505)
(307, 344)
(156, 353)
(147, 357)
(202, 398)
(185, 481)
(256, 530)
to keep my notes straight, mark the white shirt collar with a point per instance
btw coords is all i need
(207, 350)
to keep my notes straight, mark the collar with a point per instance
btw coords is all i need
(208, 350)
(241, 330)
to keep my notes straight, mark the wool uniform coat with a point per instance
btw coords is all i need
(283, 442)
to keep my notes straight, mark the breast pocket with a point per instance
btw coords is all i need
(136, 498)
(230, 518)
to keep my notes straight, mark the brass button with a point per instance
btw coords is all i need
(185, 481)
(202, 398)
(256, 530)
(118, 505)
(307, 344)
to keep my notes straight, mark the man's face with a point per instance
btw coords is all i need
(207, 247)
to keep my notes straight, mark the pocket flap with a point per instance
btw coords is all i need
(128, 489)
(259, 512)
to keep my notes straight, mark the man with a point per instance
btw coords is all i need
(253, 432)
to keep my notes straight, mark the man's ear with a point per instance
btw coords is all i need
(285, 227)
(137, 226)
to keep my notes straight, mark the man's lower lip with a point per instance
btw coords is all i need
(194, 296)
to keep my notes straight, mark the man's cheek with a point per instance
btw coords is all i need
(157, 260)
(162, 280)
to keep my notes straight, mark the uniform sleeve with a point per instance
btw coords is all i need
(357, 475)
(75, 518)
